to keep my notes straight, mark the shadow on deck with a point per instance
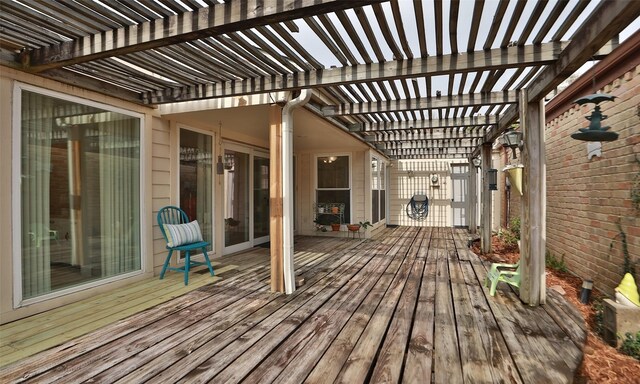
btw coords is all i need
(408, 306)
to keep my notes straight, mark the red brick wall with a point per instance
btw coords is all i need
(587, 198)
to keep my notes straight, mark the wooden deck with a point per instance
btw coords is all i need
(406, 307)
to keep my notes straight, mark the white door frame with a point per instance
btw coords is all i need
(460, 206)
(252, 152)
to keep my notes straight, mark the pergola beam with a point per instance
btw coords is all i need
(412, 125)
(460, 152)
(498, 58)
(439, 134)
(205, 22)
(429, 144)
(451, 101)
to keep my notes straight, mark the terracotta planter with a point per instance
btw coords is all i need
(353, 227)
(335, 210)
(335, 227)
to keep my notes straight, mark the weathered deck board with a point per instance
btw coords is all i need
(419, 358)
(502, 365)
(475, 364)
(408, 306)
(447, 366)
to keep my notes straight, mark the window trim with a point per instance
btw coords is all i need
(382, 175)
(214, 137)
(349, 155)
(252, 151)
(16, 199)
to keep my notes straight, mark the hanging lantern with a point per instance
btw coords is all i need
(492, 179)
(595, 132)
(513, 140)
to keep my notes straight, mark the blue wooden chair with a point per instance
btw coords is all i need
(181, 235)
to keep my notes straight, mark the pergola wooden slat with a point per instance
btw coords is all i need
(393, 70)
(472, 99)
(204, 22)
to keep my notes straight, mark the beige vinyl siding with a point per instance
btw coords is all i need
(160, 184)
(306, 190)
(8, 78)
(409, 177)
(360, 186)
(304, 194)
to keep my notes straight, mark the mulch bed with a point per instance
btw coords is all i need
(602, 363)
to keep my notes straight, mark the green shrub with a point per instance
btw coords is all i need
(598, 317)
(508, 237)
(514, 226)
(631, 345)
(552, 261)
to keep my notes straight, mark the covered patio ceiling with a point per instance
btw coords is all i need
(417, 79)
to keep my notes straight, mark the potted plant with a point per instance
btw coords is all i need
(356, 227)
(353, 227)
(365, 225)
(335, 224)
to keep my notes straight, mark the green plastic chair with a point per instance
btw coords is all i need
(509, 273)
(175, 215)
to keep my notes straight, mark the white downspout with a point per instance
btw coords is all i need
(287, 188)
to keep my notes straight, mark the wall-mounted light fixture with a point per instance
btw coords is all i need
(595, 132)
(476, 161)
(585, 292)
(220, 166)
(512, 139)
(492, 179)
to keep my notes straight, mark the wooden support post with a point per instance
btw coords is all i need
(533, 229)
(472, 198)
(276, 198)
(485, 224)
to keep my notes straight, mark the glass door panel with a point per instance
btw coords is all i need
(236, 199)
(80, 194)
(196, 180)
(260, 199)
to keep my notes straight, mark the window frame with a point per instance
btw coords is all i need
(214, 141)
(350, 178)
(381, 177)
(16, 199)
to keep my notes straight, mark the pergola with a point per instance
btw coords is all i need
(474, 70)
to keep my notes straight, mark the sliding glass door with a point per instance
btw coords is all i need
(79, 193)
(196, 180)
(246, 198)
(261, 219)
(236, 200)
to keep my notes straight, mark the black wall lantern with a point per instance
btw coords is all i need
(492, 179)
(595, 132)
(513, 140)
(476, 161)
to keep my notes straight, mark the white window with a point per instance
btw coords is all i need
(378, 190)
(334, 182)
